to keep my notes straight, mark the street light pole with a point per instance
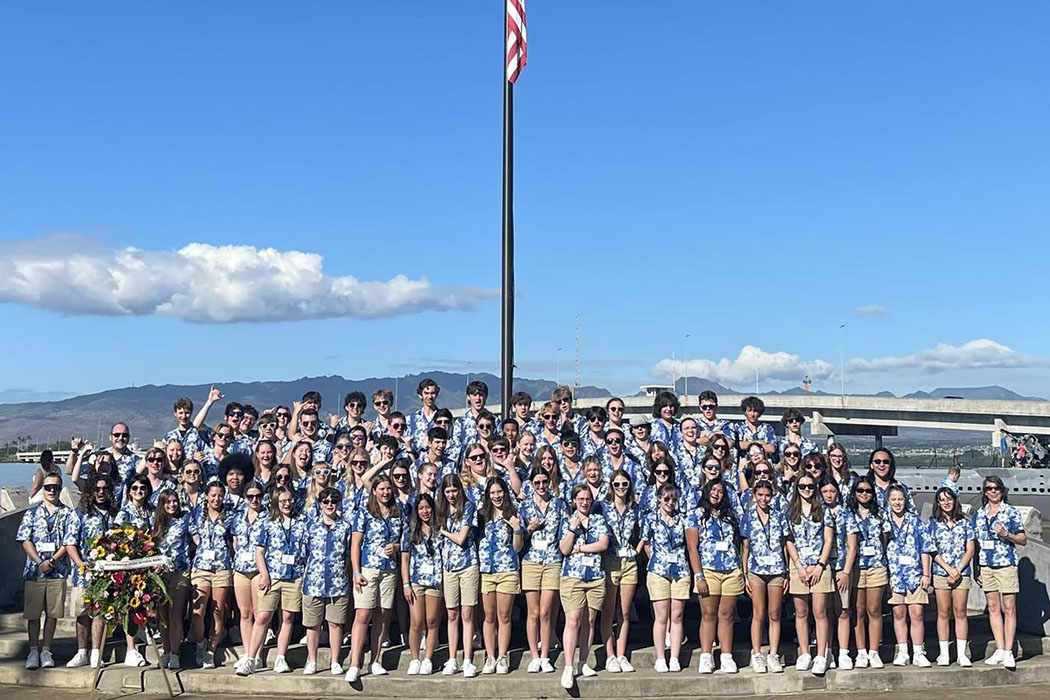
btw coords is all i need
(687, 367)
(842, 367)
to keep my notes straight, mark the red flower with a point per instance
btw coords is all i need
(147, 547)
(138, 618)
(118, 577)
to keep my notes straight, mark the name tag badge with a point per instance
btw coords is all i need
(768, 560)
(426, 568)
(45, 547)
(539, 542)
(906, 560)
(288, 559)
(987, 544)
(625, 552)
(721, 546)
(590, 560)
(207, 554)
(868, 550)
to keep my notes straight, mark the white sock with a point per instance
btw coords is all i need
(902, 648)
(43, 649)
(945, 647)
(919, 649)
(961, 646)
(82, 650)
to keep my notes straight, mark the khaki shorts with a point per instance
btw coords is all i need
(75, 605)
(824, 584)
(45, 595)
(378, 590)
(421, 591)
(202, 578)
(540, 577)
(317, 610)
(506, 582)
(621, 572)
(916, 597)
(841, 600)
(964, 583)
(661, 588)
(1001, 579)
(873, 577)
(724, 582)
(461, 587)
(770, 580)
(577, 594)
(286, 595)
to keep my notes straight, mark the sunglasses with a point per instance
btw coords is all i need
(540, 482)
(867, 491)
(357, 437)
(133, 489)
(669, 499)
(614, 441)
(570, 443)
(792, 454)
(615, 409)
(53, 488)
(713, 467)
(155, 460)
(719, 447)
(380, 403)
(397, 426)
(235, 414)
(484, 426)
(121, 435)
(224, 436)
(806, 487)
(621, 484)
(329, 502)
(355, 404)
(992, 488)
(708, 406)
(343, 446)
(253, 496)
(284, 415)
(99, 489)
(476, 457)
(308, 424)
(793, 420)
(763, 474)
(399, 477)
(662, 472)
(322, 472)
(443, 421)
(359, 462)
(191, 472)
(549, 416)
(881, 461)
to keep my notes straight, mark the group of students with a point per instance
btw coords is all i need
(359, 524)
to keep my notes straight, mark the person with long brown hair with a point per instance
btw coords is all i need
(500, 538)
(952, 536)
(171, 532)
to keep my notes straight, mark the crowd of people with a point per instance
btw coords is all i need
(356, 527)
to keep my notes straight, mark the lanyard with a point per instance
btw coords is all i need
(623, 539)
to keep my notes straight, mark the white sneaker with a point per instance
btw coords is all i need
(376, 669)
(352, 674)
(281, 666)
(758, 662)
(134, 659)
(803, 662)
(209, 660)
(996, 658)
(245, 667)
(79, 659)
(567, 680)
(33, 659)
(964, 661)
(1008, 660)
(625, 665)
(489, 666)
(845, 662)
(469, 669)
(47, 659)
(674, 665)
(335, 669)
(862, 659)
(426, 667)
(874, 660)
(612, 664)
(587, 671)
(725, 661)
(660, 666)
(920, 660)
(533, 667)
(413, 667)
(944, 660)
(901, 658)
(502, 665)
(450, 668)
(773, 663)
(547, 667)
(270, 637)
(820, 665)
(96, 658)
(706, 664)
(310, 668)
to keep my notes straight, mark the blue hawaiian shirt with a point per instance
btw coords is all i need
(130, 515)
(465, 431)
(210, 466)
(376, 534)
(881, 495)
(192, 439)
(165, 485)
(947, 483)
(417, 427)
(845, 525)
(241, 445)
(703, 428)
(81, 529)
(215, 543)
(284, 547)
(904, 552)
(245, 534)
(327, 559)
(127, 464)
(669, 435)
(628, 463)
(870, 552)
(576, 421)
(949, 541)
(542, 546)
(496, 553)
(716, 542)
(454, 557)
(175, 543)
(47, 531)
(667, 541)
(809, 537)
(994, 550)
(585, 567)
(569, 480)
(424, 559)
(622, 528)
(687, 463)
(589, 446)
(765, 542)
(195, 509)
(807, 446)
(762, 433)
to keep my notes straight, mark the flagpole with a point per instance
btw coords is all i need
(507, 365)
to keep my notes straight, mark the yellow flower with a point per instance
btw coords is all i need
(128, 531)
(135, 602)
(141, 585)
(110, 611)
(87, 598)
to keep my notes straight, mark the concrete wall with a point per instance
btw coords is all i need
(1033, 602)
(12, 560)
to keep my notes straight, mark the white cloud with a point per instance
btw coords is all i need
(870, 310)
(203, 283)
(976, 354)
(770, 365)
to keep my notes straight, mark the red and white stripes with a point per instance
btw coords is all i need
(517, 43)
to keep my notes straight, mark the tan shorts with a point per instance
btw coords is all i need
(202, 578)
(461, 587)
(1001, 579)
(45, 595)
(317, 610)
(540, 577)
(841, 601)
(506, 582)
(378, 590)
(724, 582)
(286, 595)
(621, 572)
(873, 577)
(661, 588)
(824, 584)
(770, 580)
(916, 597)
(421, 591)
(75, 605)
(964, 583)
(577, 594)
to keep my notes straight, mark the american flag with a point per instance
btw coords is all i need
(517, 43)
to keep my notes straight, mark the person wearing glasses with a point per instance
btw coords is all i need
(477, 470)
(383, 402)
(873, 530)
(952, 537)
(840, 470)
(155, 467)
(422, 419)
(47, 467)
(792, 421)
(713, 545)
(549, 433)
(245, 527)
(812, 535)
(882, 470)
(171, 532)
(311, 401)
(456, 517)
(283, 414)
(662, 471)
(212, 574)
(541, 512)
(89, 521)
(240, 443)
(764, 533)
(421, 581)
(404, 497)
(637, 440)
(320, 480)
(663, 535)
(999, 531)
(615, 410)
(790, 464)
(570, 469)
(592, 439)
(708, 422)
(844, 566)
(326, 584)
(908, 555)
(190, 486)
(221, 436)
(41, 533)
(309, 431)
(623, 516)
(500, 538)
(126, 461)
(355, 484)
(137, 513)
(664, 427)
(507, 467)
(613, 458)
(763, 471)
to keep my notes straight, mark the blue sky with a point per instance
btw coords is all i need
(751, 174)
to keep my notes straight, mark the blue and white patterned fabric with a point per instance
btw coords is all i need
(845, 525)
(626, 462)
(669, 435)
(947, 483)
(871, 553)
(376, 534)
(949, 540)
(445, 466)
(763, 432)
(716, 541)
(846, 487)
(284, 547)
(464, 432)
(175, 542)
(882, 496)
(590, 447)
(576, 421)
(322, 451)
(194, 510)
(806, 447)
(585, 567)
(165, 485)
(809, 537)
(127, 464)
(232, 503)
(417, 427)
(904, 552)
(327, 559)
(81, 529)
(994, 550)
(341, 428)
(424, 559)
(703, 428)
(635, 450)
(765, 542)
(46, 530)
(130, 515)
(210, 466)
(193, 439)
(355, 498)
(567, 480)
(241, 445)
(246, 534)
(542, 546)
(496, 553)
(687, 462)
(667, 540)
(453, 556)
(622, 528)
(214, 544)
